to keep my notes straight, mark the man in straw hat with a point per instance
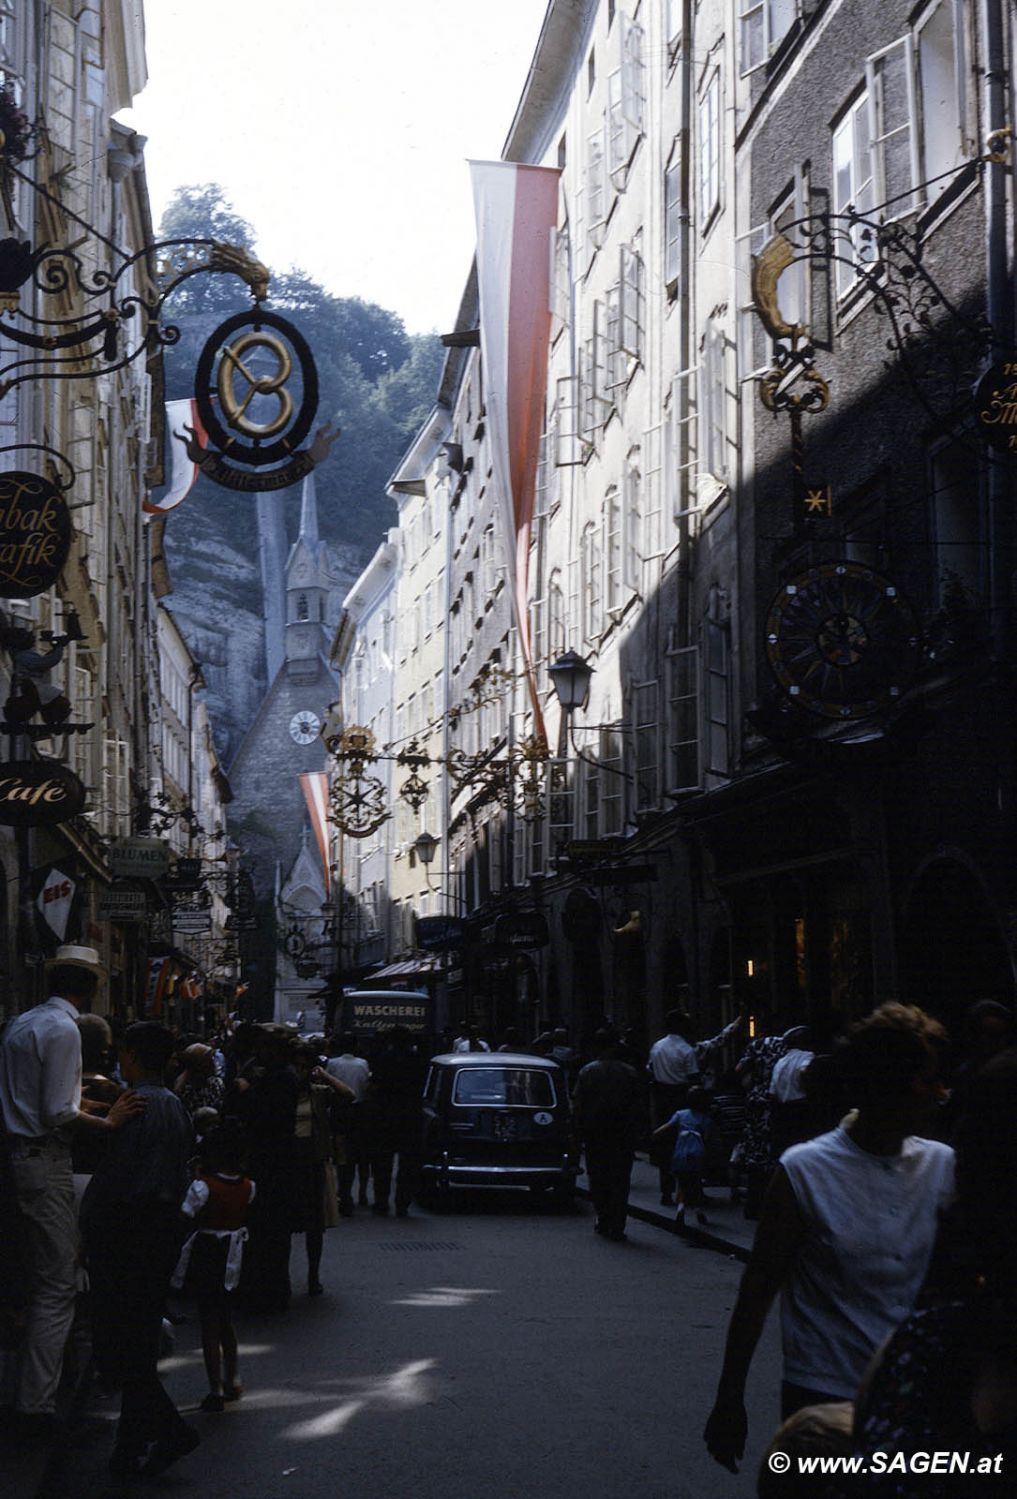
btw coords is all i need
(40, 1099)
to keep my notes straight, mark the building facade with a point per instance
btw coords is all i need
(758, 200)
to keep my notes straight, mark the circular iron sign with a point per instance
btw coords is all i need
(251, 403)
(35, 534)
(38, 793)
(842, 641)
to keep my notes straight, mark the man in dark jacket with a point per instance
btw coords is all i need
(130, 1224)
(607, 1120)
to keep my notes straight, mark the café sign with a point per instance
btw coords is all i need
(38, 793)
(35, 534)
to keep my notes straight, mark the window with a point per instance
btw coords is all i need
(555, 616)
(630, 303)
(764, 23)
(890, 84)
(683, 719)
(852, 186)
(561, 288)
(717, 639)
(506, 1086)
(613, 549)
(651, 498)
(644, 719)
(612, 781)
(591, 584)
(570, 445)
(633, 539)
(673, 28)
(591, 799)
(616, 371)
(709, 151)
(943, 84)
(625, 104)
(675, 219)
(596, 189)
(591, 72)
(714, 396)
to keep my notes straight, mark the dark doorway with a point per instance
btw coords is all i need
(952, 949)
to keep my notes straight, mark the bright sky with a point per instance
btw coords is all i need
(340, 129)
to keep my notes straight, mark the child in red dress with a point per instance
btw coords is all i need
(209, 1267)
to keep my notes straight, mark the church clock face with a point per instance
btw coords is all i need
(305, 727)
(841, 641)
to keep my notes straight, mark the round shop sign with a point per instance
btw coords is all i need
(35, 534)
(38, 793)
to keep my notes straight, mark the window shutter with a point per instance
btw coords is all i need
(684, 760)
(890, 78)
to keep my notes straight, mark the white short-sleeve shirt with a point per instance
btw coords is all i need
(40, 1069)
(871, 1224)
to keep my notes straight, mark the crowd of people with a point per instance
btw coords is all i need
(170, 1165)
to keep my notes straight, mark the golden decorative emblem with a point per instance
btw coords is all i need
(232, 365)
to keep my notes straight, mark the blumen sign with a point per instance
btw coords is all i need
(35, 534)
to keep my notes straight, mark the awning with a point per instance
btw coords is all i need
(427, 963)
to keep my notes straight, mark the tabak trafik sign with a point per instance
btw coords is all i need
(35, 534)
(38, 793)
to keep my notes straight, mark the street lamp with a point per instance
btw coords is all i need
(425, 847)
(570, 676)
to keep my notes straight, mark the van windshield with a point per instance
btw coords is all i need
(504, 1085)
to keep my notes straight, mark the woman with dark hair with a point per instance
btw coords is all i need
(946, 1381)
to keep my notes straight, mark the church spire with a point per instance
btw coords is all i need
(309, 513)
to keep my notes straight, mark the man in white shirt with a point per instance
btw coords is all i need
(356, 1074)
(470, 1041)
(847, 1229)
(674, 1067)
(41, 1104)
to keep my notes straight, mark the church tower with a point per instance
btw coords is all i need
(283, 742)
(307, 580)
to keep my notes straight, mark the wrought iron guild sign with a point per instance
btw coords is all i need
(256, 389)
(842, 642)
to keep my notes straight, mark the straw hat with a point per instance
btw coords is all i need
(73, 956)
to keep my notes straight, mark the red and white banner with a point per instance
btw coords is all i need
(315, 789)
(179, 414)
(516, 209)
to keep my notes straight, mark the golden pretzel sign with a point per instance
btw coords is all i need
(232, 365)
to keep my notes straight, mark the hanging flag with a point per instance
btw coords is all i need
(516, 210)
(156, 984)
(315, 789)
(184, 471)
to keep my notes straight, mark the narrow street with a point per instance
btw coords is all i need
(499, 1350)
